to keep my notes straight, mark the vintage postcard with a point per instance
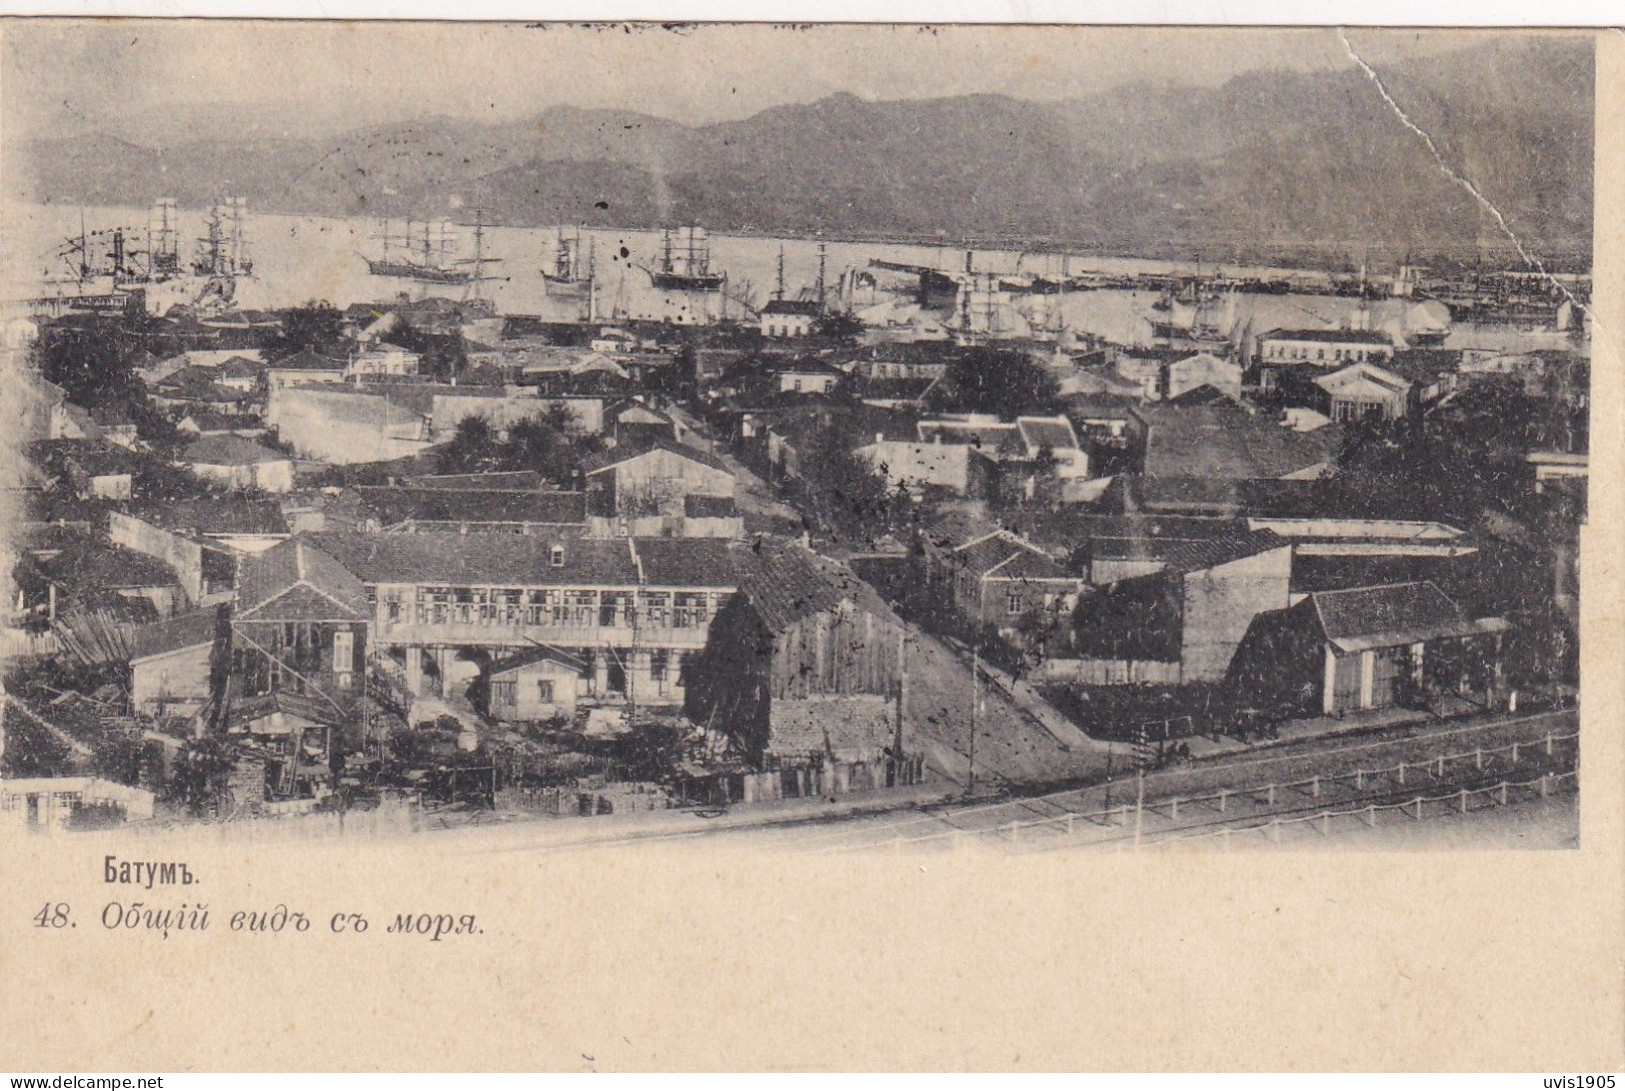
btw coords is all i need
(713, 545)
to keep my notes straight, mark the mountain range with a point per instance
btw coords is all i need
(1271, 164)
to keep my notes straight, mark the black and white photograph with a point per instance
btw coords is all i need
(832, 446)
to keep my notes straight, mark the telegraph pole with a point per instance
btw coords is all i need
(975, 703)
(1139, 785)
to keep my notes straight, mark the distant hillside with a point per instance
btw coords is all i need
(1269, 164)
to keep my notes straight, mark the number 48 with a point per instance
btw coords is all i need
(52, 916)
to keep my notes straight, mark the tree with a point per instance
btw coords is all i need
(318, 326)
(472, 449)
(443, 355)
(847, 495)
(199, 772)
(999, 381)
(837, 326)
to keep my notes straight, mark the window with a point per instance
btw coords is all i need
(558, 557)
(654, 609)
(544, 690)
(343, 651)
(504, 693)
(1012, 602)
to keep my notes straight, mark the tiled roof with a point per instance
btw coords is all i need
(229, 451)
(1029, 565)
(296, 580)
(626, 453)
(481, 559)
(785, 584)
(1206, 394)
(1226, 442)
(208, 421)
(996, 552)
(257, 708)
(1341, 337)
(856, 727)
(791, 306)
(235, 515)
(393, 504)
(1201, 554)
(92, 457)
(513, 479)
(94, 567)
(953, 528)
(1412, 611)
(688, 562)
(1370, 373)
(189, 630)
(530, 656)
(308, 360)
(240, 367)
(1055, 433)
(994, 436)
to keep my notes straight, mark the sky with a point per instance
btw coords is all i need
(163, 81)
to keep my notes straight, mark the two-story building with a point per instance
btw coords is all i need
(632, 612)
(1291, 348)
(789, 318)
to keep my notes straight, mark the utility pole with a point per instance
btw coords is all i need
(975, 703)
(1139, 786)
(822, 260)
(902, 701)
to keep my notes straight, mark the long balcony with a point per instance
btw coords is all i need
(585, 620)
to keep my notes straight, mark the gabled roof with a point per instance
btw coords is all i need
(92, 457)
(626, 453)
(1390, 615)
(209, 421)
(228, 450)
(1206, 394)
(1225, 442)
(96, 567)
(1004, 556)
(297, 581)
(391, 505)
(234, 515)
(1053, 432)
(1204, 553)
(1362, 374)
(785, 583)
(998, 437)
(504, 480)
(308, 359)
(807, 307)
(1340, 337)
(190, 630)
(687, 562)
(241, 367)
(481, 558)
(251, 709)
(532, 656)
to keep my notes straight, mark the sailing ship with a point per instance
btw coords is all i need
(107, 268)
(685, 262)
(222, 251)
(1198, 319)
(423, 256)
(571, 276)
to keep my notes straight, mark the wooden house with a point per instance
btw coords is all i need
(802, 673)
